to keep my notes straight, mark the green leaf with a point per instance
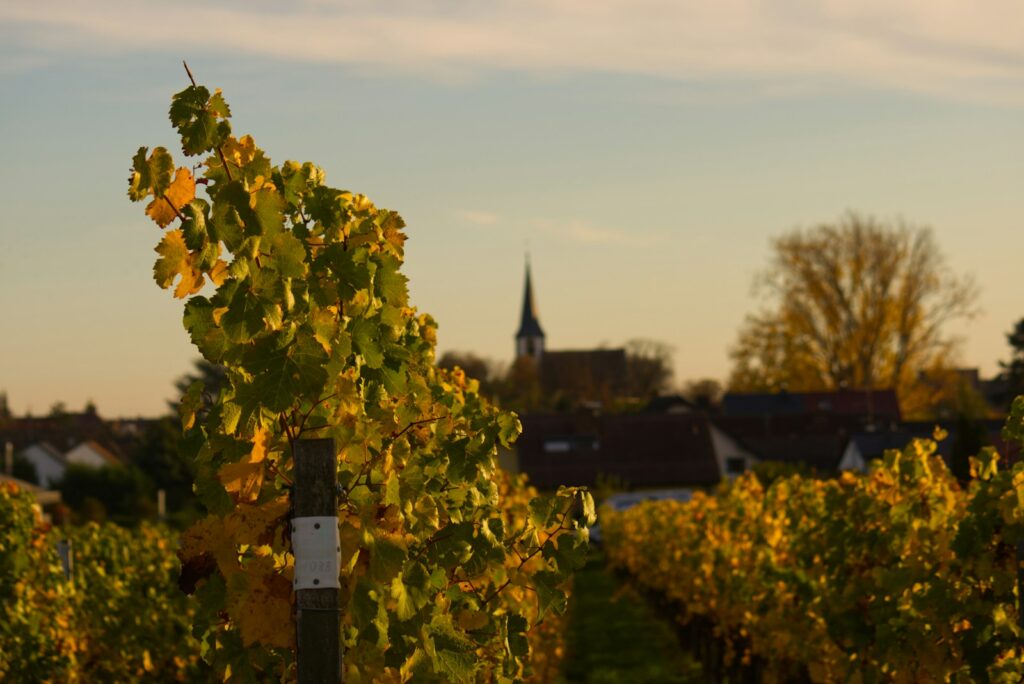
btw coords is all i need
(386, 559)
(191, 403)
(208, 337)
(250, 313)
(515, 627)
(391, 491)
(391, 286)
(282, 377)
(200, 119)
(510, 428)
(543, 511)
(353, 269)
(366, 339)
(287, 255)
(194, 227)
(150, 176)
(583, 511)
(236, 216)
(549, 595)
(404, 604)
(453, 655)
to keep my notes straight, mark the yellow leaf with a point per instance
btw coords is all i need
(243, 480)
(239, 152)
(211, 535)
(219, 272)
(257, 524)
(164, 209)
(263, 609)
(471, 620)
(176, 260)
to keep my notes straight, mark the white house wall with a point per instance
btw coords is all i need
(725, 448)
(83, 454)
(852, 459)
(49, 468)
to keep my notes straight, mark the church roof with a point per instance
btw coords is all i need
(529, 326)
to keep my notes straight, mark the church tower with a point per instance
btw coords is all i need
(530, 337)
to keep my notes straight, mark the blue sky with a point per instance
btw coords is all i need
(645, 153)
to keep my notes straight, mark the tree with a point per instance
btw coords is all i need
(706, 392)
(212, 376)
(856, 304)
(648, 367)
(1012, 373)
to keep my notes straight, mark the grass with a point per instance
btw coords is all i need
(614, 636)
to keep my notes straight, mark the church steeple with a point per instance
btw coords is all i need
(530, 337)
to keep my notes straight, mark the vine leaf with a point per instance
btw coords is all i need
(150, 175)
(243, 480)
(164, 208)
(176, 260)
(263, 604)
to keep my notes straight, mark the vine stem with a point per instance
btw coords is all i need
(524, 561)
(173, 208)
(220, 153)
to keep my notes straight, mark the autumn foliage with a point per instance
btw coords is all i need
(894, 575)
(119, 618)
(451, 571)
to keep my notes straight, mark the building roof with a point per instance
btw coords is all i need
(817, 439)
(63, 431)
(643, 450)
(47, 448)
(529, 326)
(100, 450)
(880, 405)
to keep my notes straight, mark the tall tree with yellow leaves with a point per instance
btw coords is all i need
(856, 304)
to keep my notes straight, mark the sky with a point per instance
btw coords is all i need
(644, 153)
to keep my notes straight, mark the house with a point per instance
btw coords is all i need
(640, 450)
(50, 464)
(47, 460)
(863, 447)
(91, 453)
(810, 428)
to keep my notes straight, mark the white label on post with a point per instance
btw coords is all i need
(317, 549)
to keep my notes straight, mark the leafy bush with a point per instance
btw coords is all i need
(894, 575)
(120, 618)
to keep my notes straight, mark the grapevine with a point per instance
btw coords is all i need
(118, 618)
(294, 287)
(898, 574)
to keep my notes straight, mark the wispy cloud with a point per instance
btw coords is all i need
(960, 50)
(477, 217)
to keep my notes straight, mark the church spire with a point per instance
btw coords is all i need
(530, 337)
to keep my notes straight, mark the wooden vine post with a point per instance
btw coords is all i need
(316, 549)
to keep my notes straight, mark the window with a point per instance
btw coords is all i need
(576, 444)
(735, 465)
